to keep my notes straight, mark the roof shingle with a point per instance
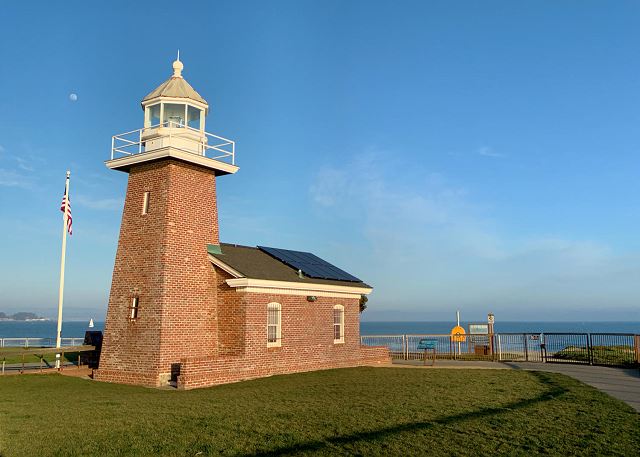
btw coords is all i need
(256, 264)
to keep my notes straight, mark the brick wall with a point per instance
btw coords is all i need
(307, 339)
(188, 314)
(162, 258)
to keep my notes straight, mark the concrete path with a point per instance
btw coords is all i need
(623, 384)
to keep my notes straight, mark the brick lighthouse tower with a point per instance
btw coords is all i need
(162, 305)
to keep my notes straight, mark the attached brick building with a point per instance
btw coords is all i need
(185, 309)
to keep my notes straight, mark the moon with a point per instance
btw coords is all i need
(73, 97)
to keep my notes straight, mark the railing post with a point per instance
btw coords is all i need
(113, 141)
(526, 347)
(589, 349)
(405, 347)
(451, 354)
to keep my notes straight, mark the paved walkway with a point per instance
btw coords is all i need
(623, 384)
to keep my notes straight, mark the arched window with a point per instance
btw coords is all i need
(274, 324)
(338, 324)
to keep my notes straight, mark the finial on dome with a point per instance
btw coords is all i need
(177, 67)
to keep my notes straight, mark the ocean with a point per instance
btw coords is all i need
(76, 329)
(45, 329)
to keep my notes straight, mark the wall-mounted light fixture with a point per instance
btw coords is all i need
(311, 298)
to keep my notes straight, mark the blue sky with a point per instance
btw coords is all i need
(474, 155)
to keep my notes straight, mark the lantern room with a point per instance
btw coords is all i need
(174, 114)
(174, 126)
(175, 104)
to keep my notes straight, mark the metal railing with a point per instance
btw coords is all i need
(567, 348)
(610, 349)
(397, 344)
(519, 347)
(38, 342)
(618, 349)
(210, 146)
(459, 347)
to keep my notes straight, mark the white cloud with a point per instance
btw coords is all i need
(488, 151)
(10, 178)
(24, 164)
(428, 245)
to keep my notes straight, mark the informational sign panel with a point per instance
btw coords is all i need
(427, 344)
(479, 329)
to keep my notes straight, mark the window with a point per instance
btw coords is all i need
(133, 308)
(174, 115)
(274, 315)
(193, 117)
(154, 115)
(338, 324)
(145, 202)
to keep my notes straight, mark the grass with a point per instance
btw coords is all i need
(34, 358)
(620, 355)
(355, 411)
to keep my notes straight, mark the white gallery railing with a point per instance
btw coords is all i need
(209, 145)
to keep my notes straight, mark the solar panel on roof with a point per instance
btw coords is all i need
(311, 265)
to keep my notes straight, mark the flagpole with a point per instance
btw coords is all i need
(62, 260)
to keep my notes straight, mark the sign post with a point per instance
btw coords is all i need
(458, 336)
(490, 321)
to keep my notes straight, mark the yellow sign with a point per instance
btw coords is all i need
(458, 334)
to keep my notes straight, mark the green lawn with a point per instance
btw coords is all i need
(33, 358)
(356, 411)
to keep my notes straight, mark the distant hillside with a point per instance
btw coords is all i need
(22, 316)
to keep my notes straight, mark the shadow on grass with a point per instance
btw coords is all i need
(553, 392)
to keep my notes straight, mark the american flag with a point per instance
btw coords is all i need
(62, 208)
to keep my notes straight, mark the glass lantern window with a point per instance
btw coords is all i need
(193, 117)
(154, 114)
(174, 115)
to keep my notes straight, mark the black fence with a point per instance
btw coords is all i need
(609, 349)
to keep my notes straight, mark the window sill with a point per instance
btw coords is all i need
(338, 341)
(274, 345)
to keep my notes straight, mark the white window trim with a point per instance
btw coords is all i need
(278, 341)
(134, 308)
(341, 339)
(145, 202)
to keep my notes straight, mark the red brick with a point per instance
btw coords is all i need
(187, 312)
